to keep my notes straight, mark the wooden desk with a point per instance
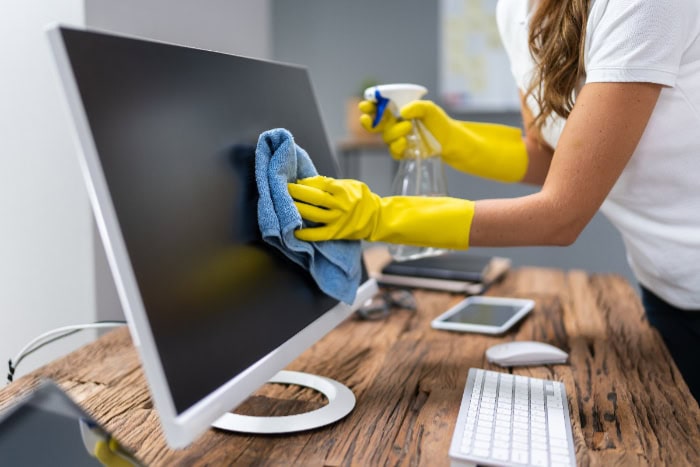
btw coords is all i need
(628, 403)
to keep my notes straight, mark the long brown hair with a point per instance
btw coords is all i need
(556, 40)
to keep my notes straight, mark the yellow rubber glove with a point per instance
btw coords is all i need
(487, 150)
(347, 209)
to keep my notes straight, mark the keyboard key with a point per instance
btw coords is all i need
(539, 458)
(522, 445)
(478, 445)
(501, 429)
(519, 457)
(500, 454)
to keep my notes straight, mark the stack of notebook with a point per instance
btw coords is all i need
(453, 272)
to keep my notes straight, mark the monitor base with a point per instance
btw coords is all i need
(341, 401)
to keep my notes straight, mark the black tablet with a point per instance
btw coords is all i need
(453, 266)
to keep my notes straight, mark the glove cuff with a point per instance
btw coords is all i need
(440, 222)
(488, 150)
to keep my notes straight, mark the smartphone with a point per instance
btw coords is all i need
(488, 315)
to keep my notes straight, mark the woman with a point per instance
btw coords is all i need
(611, 107)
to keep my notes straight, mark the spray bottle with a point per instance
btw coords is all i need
(420, 172)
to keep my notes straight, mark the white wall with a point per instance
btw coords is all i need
(46, 267)
(233, 26)
(50, 272)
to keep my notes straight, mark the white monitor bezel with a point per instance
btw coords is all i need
(179, 429)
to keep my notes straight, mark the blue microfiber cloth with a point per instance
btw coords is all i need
(335, 265)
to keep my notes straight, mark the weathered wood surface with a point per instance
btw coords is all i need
(628, 403)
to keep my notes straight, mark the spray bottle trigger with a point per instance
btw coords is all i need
(382, 103)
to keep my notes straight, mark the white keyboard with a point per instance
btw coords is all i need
(506, 419)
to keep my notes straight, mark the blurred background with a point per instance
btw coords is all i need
(53, 270)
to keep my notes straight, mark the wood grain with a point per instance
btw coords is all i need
(628, 403)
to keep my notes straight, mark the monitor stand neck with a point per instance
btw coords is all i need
(341, 401)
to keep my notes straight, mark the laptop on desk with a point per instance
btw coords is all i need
(47, 428)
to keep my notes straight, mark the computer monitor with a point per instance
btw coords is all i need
(168, 136)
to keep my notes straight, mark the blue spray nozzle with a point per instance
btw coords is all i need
(382, 103)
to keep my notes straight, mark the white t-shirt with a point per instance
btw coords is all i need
(655, 203)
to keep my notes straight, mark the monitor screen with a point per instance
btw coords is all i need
(169, 136)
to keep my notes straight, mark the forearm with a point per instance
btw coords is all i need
(539, 156)
(600, 136)
(532, 220)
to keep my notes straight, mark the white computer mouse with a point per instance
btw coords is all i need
(525, 353)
